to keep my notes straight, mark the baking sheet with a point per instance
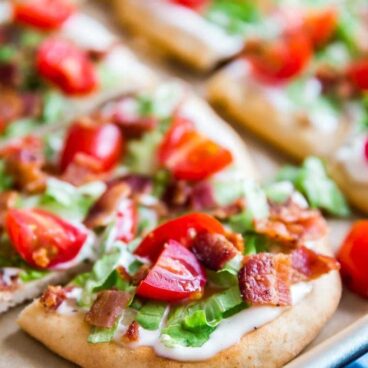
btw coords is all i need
(344, 334)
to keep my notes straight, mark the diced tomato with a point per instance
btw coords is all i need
(43, 239)
(182, 229)
(127, 221)
(358, 73)
(192, 4)
(44, 14)
(64, 64)
(281, 59)
(104, 142)
(176, 275)
(321, 25)
(189, 155)
(353, 256)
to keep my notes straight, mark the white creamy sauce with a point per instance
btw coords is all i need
(228, 333)
(321, 118)
(8, 273)
(353, 159)
(6, 12)
(190, 22)
(87, 33)
(69, 306)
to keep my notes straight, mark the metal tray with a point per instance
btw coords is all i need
(342, 339)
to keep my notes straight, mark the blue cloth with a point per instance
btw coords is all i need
(360, 363)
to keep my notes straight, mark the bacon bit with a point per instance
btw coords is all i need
(83, 169)
(24, 161)
(177, 195)
(309, 265)
(11, 107)
(236, 239)
(139, 184)
(123, 273)
(213, 250)
(53, 297)
(265, 279)
(132, 333)
(291, 224)
(107, 308)
(202, 196)
(140, 274)
(107, 205)
(10, 75)
(224, 213)
(8, 200)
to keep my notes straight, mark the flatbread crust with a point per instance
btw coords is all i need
(270, 346)
(241, 100)
(356, 193)
(172, 40)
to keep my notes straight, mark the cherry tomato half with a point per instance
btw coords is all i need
(358, 74)
(320, 25)
(189, 155)
(44, 14)
(281, 59)
(353, 256)
(192, 4)
(43, 239)
(64, 64)
(182, 229)
(176, 275)
(103, 142)
(127, 220)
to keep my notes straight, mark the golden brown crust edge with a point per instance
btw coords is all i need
(239, 101)
(272, 345)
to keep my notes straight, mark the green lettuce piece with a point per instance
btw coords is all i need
(7, 53)
(313, 182)
(141, 154)
(28, 274)
(192, 324)
(233, 15)
(53, 107)
(227, 192)
(69, 201)
(280, 192)
(20, 128)
(151, 314)
(255, 243)
(161, 180)
(101, 334)
(148, 220)
(6, 180)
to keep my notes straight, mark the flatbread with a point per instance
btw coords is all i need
(270, 346)
(242, 101)
(174, 40)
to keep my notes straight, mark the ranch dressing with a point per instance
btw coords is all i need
(352, 157)
(191, 22)
(6, 12)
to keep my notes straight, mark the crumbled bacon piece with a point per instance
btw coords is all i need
(236, 239)
(265, 279)
(10, 75)
(53, 297)
(11, 107)
(107, 205)
(140, 274)
(290, 224)
(8, 200)
(132, 333)
(123, 273)
(107, 308)
(223, 213)
(24, 161)
(139, 184)
(309, 265)
(83, 169)
(213, 250)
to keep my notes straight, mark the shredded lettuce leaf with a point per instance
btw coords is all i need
(151, 314)
(313, 182)
(100, 334)
(53, 107)
(6, 180)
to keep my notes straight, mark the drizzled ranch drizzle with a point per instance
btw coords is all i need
(228, 333)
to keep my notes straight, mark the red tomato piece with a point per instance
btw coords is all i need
(64, 64)
(353, 256)
(189, 155)
(192, 4)
(182, 229)
(281, 59)
(44, 14)
(321, 25)
(358, 74)
(43, 239)
(176, 275)
(127, 221)
(103, 142)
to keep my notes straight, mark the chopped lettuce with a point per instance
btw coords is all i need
(7, 52)
(29, 274)
(151, 314)
(234, 16)
(161, 180)
(53, 107)
(228, 275)
(20, 128)
(6, 180)
(279, 192)
(70, 201)
(101, 334)
(227, 192)
(192, 324)
(313, 182)
(255, 243)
